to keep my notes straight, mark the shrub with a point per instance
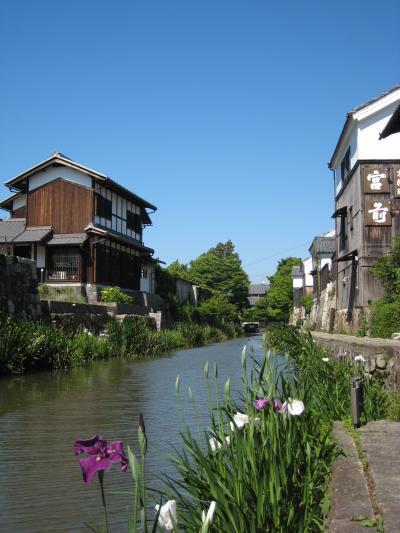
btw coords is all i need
(115, 294)
(385, 318)
(307, 302)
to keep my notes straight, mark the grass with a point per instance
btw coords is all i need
(27, 345)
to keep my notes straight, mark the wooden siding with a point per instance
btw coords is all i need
(64, 205)
(19, 213)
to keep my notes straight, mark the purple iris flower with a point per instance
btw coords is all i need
(340, 356)
(279, 406)
(101, 456)
(261, 403)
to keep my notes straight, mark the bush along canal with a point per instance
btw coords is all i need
(27, 345)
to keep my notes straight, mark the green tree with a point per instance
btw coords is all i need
(387, 270)
(220, 270)
(217, 309)
(279, 299)
(178, 270)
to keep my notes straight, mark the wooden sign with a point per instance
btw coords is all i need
(396, 180)
(377, 212)
(376, 179)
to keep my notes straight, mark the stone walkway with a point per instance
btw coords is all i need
(357, 341)
(353, 493)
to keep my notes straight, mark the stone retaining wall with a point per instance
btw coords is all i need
(18, 286)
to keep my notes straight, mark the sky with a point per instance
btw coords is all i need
(221, 113)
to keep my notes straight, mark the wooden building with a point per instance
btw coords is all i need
(82, 228)
(367, 200)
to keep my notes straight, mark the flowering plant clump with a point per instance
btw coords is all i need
(340, 356)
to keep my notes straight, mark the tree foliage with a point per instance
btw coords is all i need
(387, 270)
(280, 294)
(220, 270)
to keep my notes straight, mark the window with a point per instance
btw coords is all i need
(64, 264)
(133, 222)
(103, 207)
(351, 225)
(345, 165)
(343, 231)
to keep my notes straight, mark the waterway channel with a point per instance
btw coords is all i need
(41, 415)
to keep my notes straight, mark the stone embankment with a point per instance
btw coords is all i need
(382, 355)
(364, 489)
(18, 286)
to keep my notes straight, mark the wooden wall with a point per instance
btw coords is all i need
(66, 206)
(19, 213)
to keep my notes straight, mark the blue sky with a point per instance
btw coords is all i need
(222, 113)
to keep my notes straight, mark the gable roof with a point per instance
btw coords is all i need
(7, 203)
(351, 116)
(323, 245)
(258, 288)
(57, 158)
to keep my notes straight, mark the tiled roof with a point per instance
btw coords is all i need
(374, 99)
(323, 245)
(258, 288)
(67, 238)
(296, 272)
(34, 234)
(11, 228)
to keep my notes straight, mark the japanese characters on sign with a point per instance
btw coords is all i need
(397, 183)
(376, 180)
(377, 213)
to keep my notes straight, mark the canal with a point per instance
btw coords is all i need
(41, 415)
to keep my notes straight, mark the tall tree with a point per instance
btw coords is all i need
(279, 298)
(220, 270)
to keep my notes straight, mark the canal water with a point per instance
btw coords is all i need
(41, 416)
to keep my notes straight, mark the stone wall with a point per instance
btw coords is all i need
(382, 356)
(18, 286)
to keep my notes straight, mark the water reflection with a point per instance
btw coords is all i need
(43, 414)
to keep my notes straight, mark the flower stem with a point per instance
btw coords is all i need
(103, 499)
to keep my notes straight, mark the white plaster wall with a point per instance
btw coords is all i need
(53, 173)
(19, 202)
(350, 140)
(41, 256)
(120, 206)
(324, 262)
(369, 145)
(307, 266)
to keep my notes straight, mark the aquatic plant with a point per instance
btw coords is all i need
(264, 461)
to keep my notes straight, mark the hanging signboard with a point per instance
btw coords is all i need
(376, 179)
(377, 212)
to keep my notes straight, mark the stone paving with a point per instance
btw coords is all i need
(349, 490)
(352, 492)
(381, 442)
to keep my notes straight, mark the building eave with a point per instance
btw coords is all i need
(52, 160)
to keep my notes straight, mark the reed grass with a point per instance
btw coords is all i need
(27, 345)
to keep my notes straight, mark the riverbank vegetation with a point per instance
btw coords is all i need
(385, 313)
(27, 345)
(265, 460)
(223, 286)
(277, 303)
